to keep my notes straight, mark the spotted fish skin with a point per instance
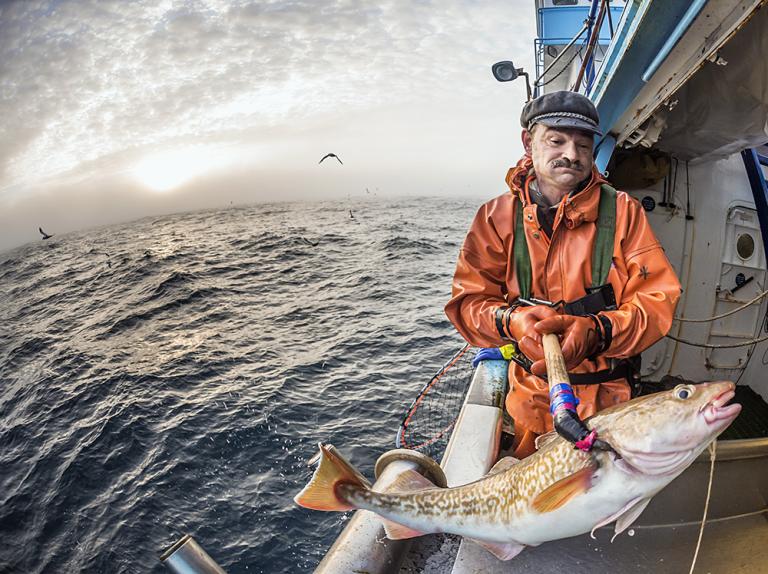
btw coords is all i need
(558, 491)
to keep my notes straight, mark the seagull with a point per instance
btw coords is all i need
(43, 233)
(331, 155)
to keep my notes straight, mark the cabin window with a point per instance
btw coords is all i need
(745, 246)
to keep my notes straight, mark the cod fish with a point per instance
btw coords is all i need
(558, 491)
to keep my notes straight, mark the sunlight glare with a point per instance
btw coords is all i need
(164, 171)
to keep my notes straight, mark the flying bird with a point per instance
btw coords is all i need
(43, 233)
(331, 155)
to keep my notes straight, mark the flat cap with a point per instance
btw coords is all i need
(562, 109)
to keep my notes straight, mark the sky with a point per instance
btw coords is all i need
(114, 110)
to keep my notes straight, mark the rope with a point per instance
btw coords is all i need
(731, 312)
(724, 346)
(712, 451)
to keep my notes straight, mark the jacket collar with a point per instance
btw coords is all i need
(577, 208)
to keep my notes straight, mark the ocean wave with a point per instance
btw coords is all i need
(174, 374)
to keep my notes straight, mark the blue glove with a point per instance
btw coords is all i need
(487, 354)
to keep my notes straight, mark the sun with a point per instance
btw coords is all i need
(167, 170)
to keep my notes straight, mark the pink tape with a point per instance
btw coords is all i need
(586, 443)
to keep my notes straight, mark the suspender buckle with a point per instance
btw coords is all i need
(601, 298)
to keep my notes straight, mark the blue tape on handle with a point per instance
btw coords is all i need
(561, 397)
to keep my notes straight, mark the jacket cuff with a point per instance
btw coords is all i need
(607, 333)
(502, 322)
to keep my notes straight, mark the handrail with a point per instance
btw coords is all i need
(673, 39)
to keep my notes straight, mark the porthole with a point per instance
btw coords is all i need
(745, 246)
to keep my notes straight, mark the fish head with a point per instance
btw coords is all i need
(663, 433)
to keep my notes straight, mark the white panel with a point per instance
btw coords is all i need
(473, 448)
(741, 222)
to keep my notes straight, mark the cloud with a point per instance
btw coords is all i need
(87, 87)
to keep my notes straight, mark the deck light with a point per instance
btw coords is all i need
(506, 71)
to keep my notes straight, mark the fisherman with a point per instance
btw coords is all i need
(608, 294)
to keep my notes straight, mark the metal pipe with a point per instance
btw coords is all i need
(677, 33)
(187, 557)
(604, 152)
(592, 12)
(759, 190)
(595, 33)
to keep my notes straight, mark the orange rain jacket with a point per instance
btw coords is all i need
(643, 280)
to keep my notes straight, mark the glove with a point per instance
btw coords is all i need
(487, 354)
(580, 338)
(521, 328)
(504, 353)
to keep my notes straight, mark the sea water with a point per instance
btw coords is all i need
(173, 375)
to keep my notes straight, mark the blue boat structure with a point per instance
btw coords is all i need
(682, 92)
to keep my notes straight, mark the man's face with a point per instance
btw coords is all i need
(562, 158)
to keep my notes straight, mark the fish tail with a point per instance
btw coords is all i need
(334, 470)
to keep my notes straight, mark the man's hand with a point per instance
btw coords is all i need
(579, 335)
(521, 327)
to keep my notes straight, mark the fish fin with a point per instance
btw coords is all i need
(544, 439)
(501, 550)
(396, 531)
(626, 519)
(627, 510)
(564, 490)
(503, 464)
(409, 481)
(333, 471)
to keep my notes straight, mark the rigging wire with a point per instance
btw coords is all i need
(563, 69)
(731, 312)
(723, 346)
(610, 19)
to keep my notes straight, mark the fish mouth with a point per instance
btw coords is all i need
(718, 409)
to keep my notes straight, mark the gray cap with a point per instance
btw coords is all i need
(562, 109)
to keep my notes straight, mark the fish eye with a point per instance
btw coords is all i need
(684, 391)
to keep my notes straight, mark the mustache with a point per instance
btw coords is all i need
(564, 162)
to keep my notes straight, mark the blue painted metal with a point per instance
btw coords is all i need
(591, 16)
(604, 151)
(631, 18)
(674, 38)
(637, 42)
(557, 25)
(752, 161)
(762, 159)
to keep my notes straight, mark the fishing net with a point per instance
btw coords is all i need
(430, 418)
